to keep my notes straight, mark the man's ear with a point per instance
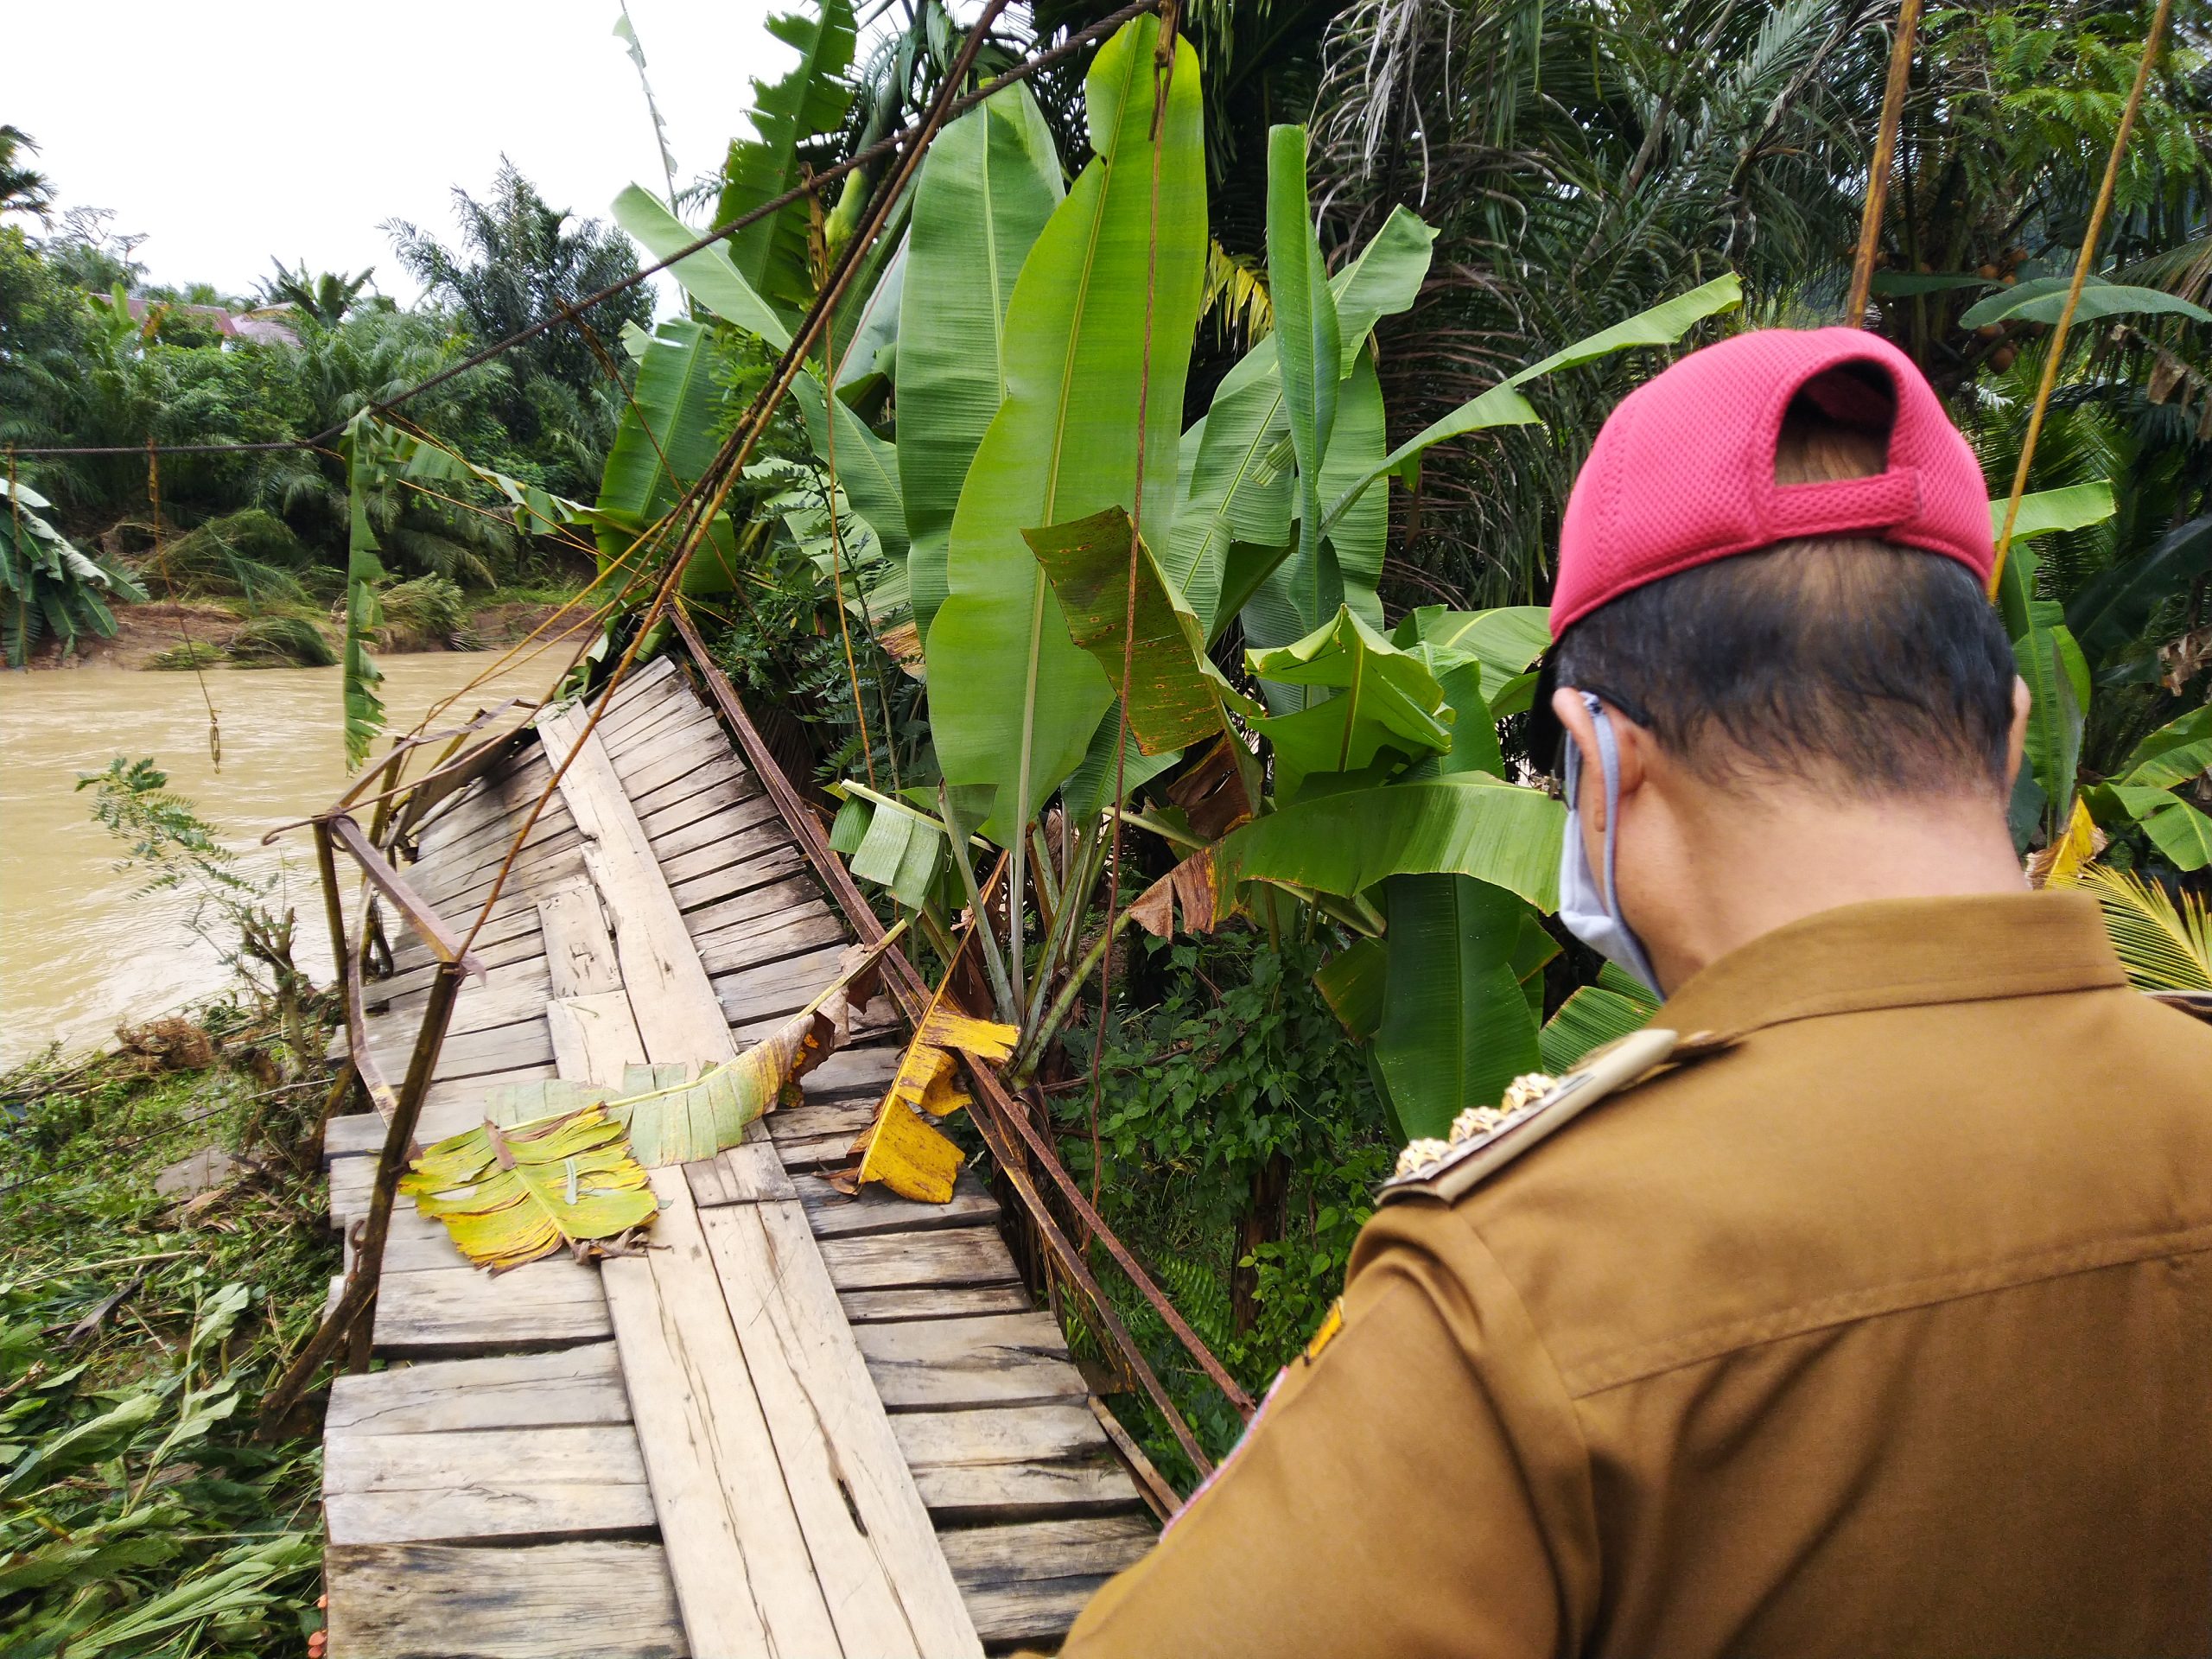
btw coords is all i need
(2016, 741)
(1629, 741)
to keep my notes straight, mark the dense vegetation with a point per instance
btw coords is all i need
(1361, 359)
(166, 1255)
(1337, 465)
(92, 357)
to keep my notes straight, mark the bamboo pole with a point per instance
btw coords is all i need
(1878, 175)
(2082, 265)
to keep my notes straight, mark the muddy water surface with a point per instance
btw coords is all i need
(79, 951)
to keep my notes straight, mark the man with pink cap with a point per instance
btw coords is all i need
(1863, 1306)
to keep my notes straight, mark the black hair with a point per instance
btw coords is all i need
(1852, 664)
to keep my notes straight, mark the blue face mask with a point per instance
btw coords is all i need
(1592, 912)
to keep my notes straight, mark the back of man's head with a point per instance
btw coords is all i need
(1859, 659)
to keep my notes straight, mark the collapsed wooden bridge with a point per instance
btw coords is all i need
(802, 1424)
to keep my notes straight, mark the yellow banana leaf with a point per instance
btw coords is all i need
(910, 1157)
(944, 1026)
(2061, 863)
(510, 1196)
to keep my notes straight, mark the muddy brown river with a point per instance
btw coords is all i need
(80, 948)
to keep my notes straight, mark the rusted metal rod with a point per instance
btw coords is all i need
(1071, 1263)
(349, 980)
(440, 939)
(912, 993)
(358, 1302)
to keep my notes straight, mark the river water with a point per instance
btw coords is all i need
(80, 948)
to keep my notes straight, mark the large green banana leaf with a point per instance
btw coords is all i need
(865, 466)
(2043, 511)
(871, 347)
(1174, 693)
(1595, 1014)
(1502, 405)
(1456, 1025)
(666, 439)
(1236, 489)
(1469, 824)
(987, 185)
(358, 673)
(1014, 703)
(1308, 345)
(1386, 699)
(809, 100)
(2057, 680)
(710, 275)
(2175, 754)
(1298, 595)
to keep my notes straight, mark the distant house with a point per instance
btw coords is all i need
(267, 325)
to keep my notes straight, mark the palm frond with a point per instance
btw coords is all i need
(2165, 944)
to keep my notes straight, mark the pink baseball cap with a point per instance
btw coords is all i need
(1682, 473)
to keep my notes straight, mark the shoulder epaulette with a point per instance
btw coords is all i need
(1459, 1165)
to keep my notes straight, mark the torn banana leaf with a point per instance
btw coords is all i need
(907, 1154)
(673, 1118)
(944, 1026)
(510, 1196)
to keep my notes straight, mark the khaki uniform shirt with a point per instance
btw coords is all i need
(1883, 1330)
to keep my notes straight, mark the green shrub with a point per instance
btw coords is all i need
(282, 642)
(1242, 1140)
(423, 614)
(251, 554)
(192, 654)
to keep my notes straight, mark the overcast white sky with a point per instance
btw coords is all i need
(232, 135)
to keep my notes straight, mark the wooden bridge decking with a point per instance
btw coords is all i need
(805, 1424)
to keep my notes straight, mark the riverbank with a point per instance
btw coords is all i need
(170, 633)
(164, 1258)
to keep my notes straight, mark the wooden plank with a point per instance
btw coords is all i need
(951, 1256)
(853, 1071)
(725, 1177)
(817, 1119)
(544, 1601)
(832, 1215)
(739, 1561)
(749, 995)
(567, 1387)
(722, 771)
(1038, 1613)
(680, 809)
(937, 1302)
(673, 755)
(447, 1310)
(1096, 1546)
(472, 1483)
(749, 860)
(579, 950)
(717, 826)
(795, 932)
(832, 1436)
(1059, 1432)
(474, 1053)
(676, 1013)
(594, 1038)
(1008, 1359)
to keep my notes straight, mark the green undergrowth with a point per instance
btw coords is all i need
(162, 1259)
(1241, 1141)
(139, 1331)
